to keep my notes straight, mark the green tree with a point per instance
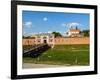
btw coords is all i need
(57, 34)
(85, 33)
(26, 37)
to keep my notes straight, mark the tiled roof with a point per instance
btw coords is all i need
(74, 30)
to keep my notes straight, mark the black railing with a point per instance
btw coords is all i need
(36, 50)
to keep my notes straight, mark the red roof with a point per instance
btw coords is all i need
(74, 30)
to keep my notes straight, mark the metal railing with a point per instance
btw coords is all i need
(35, 50)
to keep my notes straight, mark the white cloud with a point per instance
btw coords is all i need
(28, 24)
(63, 24)
(49, 31)
(24, 32)
(45, 19)
(73, 24)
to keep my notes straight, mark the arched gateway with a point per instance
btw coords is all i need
(46, 38)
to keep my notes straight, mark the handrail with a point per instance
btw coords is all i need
(34, 48)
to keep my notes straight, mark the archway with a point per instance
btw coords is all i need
(45, 41)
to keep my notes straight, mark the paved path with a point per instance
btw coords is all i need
(32, 65)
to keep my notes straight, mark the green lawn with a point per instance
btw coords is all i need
(63, 55)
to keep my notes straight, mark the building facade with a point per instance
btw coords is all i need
(43, 38)
(74, 32)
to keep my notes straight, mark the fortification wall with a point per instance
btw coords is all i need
(28, 41)
(67, 41)
(61, 41)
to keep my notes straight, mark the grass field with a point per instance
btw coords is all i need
(63, 55)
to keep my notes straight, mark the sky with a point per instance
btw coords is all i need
(43, 22)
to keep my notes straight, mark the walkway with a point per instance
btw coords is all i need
(32, 65)
(35, 51)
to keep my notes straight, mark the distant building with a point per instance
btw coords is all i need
(74, 32)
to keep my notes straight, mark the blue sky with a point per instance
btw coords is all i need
(35, 21)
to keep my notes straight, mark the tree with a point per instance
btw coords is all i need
(26, 37)
(85, 33)
(57, 34)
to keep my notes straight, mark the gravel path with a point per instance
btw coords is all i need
(32, 65)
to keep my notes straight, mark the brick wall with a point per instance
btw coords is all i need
(64, 41)
(28, 41)
(61, 41)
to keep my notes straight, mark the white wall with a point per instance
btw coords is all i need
(5, 19)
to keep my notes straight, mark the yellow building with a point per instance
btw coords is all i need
(74, 32)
